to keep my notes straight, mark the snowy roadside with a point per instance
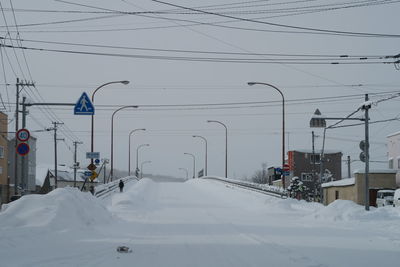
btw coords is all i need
(198, 223)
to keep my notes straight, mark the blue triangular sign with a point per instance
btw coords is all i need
(84, 106)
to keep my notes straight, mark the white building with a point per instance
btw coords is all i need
(394, 154)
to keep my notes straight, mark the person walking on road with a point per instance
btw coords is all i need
(121, 186)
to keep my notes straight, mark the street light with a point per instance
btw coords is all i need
(186, 171)
(92, 128)
(129, 149)
(141, 167)
(283, 123)
(194, 163)
(112, 137)
(226, 145)
(137, 157)
(205, 160)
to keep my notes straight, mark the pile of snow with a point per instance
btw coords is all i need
(346, 210)
(63, 208)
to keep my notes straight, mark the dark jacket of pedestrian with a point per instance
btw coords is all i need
(121, 185)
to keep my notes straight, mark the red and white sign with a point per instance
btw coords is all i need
(23, 135)
(286, 167)
(23, 149)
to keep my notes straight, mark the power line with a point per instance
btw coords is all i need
(325, 31)
(211, 59)
(341, 56)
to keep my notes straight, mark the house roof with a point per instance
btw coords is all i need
(343, 182)
(393, 134)
(64, 173)
(376, 171)
(317, 151)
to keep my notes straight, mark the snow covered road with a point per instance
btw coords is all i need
(196, 223)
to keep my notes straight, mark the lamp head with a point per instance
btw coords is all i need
(251, 83)
(125, 82)
(317, 120)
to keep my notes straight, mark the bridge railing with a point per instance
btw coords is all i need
(105, 189)
(262, 188)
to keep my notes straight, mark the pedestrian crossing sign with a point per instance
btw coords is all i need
(84, 106)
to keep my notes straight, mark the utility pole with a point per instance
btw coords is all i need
(19, 86)
(313, 161)
(366, 107)
(76, 143)
(24, 167)
(54, 128)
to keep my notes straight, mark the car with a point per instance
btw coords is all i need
(396, 198)
(384, 198)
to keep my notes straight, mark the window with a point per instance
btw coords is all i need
(1, 152)
(306, 177)
(336, 194)
(390, 163)
(1, 170)
(398, 163)
(316, 157)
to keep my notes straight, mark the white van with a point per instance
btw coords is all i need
(384, 198)
(396, 198)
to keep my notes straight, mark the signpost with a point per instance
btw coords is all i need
(84, 106)
(91, 167)
(92, 155)
(286, 169)
(23, 135)
(23, 149)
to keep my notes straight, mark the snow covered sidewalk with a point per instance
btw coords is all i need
(196, 223)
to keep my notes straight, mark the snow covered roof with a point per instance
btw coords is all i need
(343, 182)
(317, 151)
(376, 171)
(41, 172)
(393, 134)
(64, 173)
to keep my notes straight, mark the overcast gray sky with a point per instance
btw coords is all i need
(88, 43)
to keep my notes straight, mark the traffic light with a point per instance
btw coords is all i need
(363, 146)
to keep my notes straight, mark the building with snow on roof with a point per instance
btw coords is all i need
(354, 188)
(307, 166)
(394, 154)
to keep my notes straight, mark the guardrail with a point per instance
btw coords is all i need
(261, 188)
(104, 189)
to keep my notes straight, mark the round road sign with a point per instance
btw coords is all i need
(23, 149)
(23, 135)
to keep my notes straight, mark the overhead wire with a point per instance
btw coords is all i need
(325, 31)
(342, 56)
(292, 61)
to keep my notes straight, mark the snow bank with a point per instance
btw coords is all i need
(62, 208)
(346, 210)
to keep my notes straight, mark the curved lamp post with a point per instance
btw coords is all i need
(186, 171)
(137, 157)
(141, 167)
(226, 145)
(92, 128)
(129, 148)
(283, 123)
(194, 163)
(112, 137)
(205, 160)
